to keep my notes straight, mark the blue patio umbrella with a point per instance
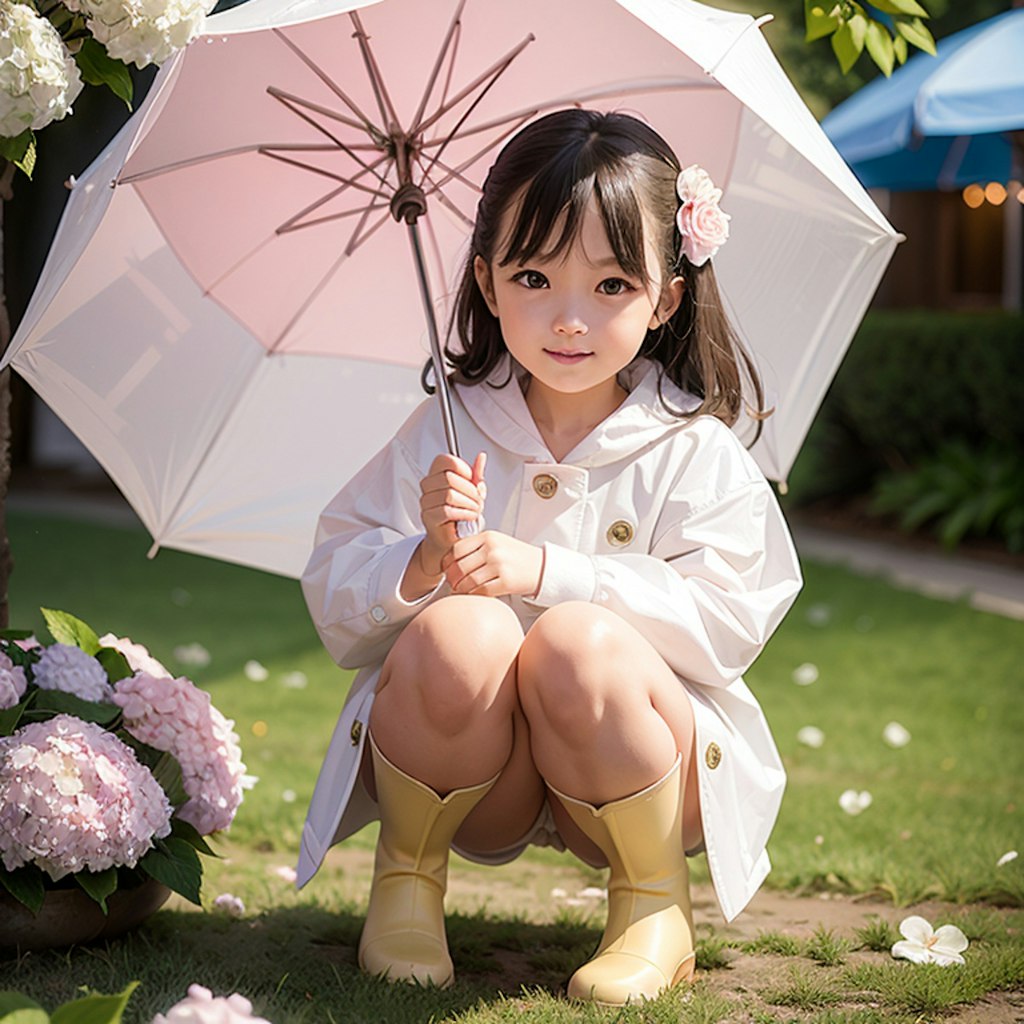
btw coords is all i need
(944, 121)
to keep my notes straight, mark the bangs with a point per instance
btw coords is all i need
(549, 213)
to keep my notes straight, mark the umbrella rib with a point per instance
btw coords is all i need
(192, 161)
(387, 110)
(290, 98)
(329, 174)
(291, 225)
(476, 101)
(366, 124)
(322, 283)
(495, 70)
(436, 70)
(580, 99)
(445, 200)
(514, 126)
(451, 65)
(450, 174)
(286, 100)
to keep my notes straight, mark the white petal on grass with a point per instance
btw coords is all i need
(294, 680)
(288, 796)
(805, 674)
(256, 672)
(592, 892)
(924, 945)
(558, 893)
(895, 735)
(193, 655)
(810, 736)
(286, 872)
(819, 614)
(230, 905)
(1006, 858)
(853, 802)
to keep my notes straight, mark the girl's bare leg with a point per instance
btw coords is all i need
(447, 713)
(607, 716)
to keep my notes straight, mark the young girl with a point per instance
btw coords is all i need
(570, 674)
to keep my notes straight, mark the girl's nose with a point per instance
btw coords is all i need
(569, 323)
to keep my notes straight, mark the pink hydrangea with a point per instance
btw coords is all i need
(73, 797)
(67, 668)
(176, 716)
(138, 657)
(12, 682)
(202, 1007)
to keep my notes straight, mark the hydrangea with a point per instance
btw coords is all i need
(73, 797)
(138, 657)
(39, 79)
(202, 1007)
(176, 716)
(143, 32)
(12, 682)
(67, 668)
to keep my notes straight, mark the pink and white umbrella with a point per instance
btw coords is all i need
(230, 316)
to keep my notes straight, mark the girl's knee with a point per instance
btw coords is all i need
(457, 657)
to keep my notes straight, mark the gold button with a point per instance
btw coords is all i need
(620, 533)
(713, 756)
(356, 732)
(545, 485)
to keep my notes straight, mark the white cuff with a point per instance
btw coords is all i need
(388, 605)
(568, 576)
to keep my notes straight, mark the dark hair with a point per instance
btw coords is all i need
(554, 166)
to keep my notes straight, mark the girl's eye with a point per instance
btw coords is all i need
(532, 279)
(614, 286)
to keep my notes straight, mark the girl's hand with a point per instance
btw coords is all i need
(493, 564)
(451, 491)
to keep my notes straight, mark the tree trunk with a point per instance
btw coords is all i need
(6, 562)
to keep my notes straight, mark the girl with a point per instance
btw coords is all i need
(569, 675)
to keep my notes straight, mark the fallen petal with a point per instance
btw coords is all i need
(945, 959)
(592, 892)
(895, 735)
(810, 736)
(949, 940)
(255, 672)
(231, 905)
(285, 872)
(917, 929)
(1006, 858)
(805, 674)
(914, 951)
(853, 802)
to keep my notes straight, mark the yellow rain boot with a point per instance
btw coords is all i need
(404, 937)
(647, 944)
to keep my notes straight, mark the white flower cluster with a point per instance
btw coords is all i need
(202, 1007)
(12, 682)
(73, 797)
(39, 79)
(143, 32)
(67, 668)
(175, 715)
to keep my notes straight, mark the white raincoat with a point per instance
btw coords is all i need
(667, 522)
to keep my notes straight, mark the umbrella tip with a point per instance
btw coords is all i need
(152, 552)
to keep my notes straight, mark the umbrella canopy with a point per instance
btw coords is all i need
(943, 121)
(229, 318)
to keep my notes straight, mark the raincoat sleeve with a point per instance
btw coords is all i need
(364, 540)
(720, 575)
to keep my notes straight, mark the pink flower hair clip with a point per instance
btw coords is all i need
(702, 224)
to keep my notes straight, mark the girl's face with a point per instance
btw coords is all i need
(575, 320)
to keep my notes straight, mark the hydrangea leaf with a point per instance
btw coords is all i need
(21, 151)
(187, 831)
(99, 68)
(176, 864)
(66, 629)
(98, 884)
(163, 766)
(10, 717)
(26, 885)
(94, 1009)
(114, 663)
(26, 1015)
(60, 703)
(11, 1001)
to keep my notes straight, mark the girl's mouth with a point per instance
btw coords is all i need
(568, 358)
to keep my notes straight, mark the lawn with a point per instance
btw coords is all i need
(944, 808)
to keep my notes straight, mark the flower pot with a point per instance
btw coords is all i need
(70, 917)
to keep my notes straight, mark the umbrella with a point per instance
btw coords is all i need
(944, 121)
(228, 315)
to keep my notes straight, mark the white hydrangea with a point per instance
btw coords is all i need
(67, 668)
(39, 79)
(143, 32)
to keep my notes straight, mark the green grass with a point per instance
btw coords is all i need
(945, 808)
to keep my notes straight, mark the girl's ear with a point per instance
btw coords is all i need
(485, 282)
(671, 296)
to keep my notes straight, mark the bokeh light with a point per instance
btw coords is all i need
(974, 196)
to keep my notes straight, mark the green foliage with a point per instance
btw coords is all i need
(66, 629)
(98, 884)
(877, 935)
(711, 952)
(99, 68)
(805, 991)
(961, 491)
(47, 703)
(94, 1008)
(27, 885)
(21, 151)
(776, 943)
(826, 948)
(175, 863)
